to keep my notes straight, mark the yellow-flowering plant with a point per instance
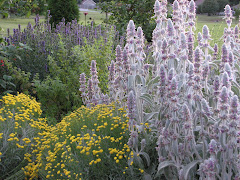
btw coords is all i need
(17, 115)
(87, 144)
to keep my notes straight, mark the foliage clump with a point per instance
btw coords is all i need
(60, 9)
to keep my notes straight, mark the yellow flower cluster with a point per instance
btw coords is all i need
(84, 144)
(17, 115)
(85, 138)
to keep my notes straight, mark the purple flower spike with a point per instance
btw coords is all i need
(170, 75)
(157, 8)
(216, 84)
(205, 107)
(231, 58)
(131, 106)
(225, 80)
(170, 28)
(224, 95)
(224, 53)
(175, 5)
(130, 29)
(236, 30)
(213, 147)
(192, 7)
(228, 69)
(205, 32)
(199, 37)
(118, 53)
(183, 41)
(234, 102)
(197, 55)
(162, 75)
(228, 11)
(186, 113)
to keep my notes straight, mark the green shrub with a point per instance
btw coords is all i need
(222, 4)
(59, 92)
(210, 7)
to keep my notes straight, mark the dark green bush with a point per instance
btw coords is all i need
(210, 7)
(222, 4)
(60, 9)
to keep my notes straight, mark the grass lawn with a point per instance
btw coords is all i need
(13, 22)
(216, 25)
(96, 16)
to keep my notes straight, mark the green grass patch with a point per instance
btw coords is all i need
(216, 25)
(12, 22)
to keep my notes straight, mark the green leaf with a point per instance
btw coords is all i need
(11, 84)
(149, 116)
(148, 99)
(235, 90)
(7, 78)
(130, 82)
(146, 156)
(3, 83)
(165, 164)
(153, 81)
(8, 92)
(188, 167)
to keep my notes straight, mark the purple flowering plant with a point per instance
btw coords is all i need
(184, 105)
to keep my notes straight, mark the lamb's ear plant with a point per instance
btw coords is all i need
(186, 103)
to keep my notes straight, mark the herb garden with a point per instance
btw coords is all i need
(84, 102)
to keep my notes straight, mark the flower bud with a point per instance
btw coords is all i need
(192, 7)
(118, 54)
(170, 74)
(231, 58)
(183, 41)
(157, 8)
(130, 29)
(213, 147)
(205, 32)
(205, 107)
(228, 11)
(170, 28)
(225, 80)
(216, 85)
(175, 5)
(224, 53)
(224, 95)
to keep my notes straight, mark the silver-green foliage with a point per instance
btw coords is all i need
(187, 96)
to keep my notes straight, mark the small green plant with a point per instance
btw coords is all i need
(6, 85)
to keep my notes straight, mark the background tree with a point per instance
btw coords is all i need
(222, 4)
(63, 9)
(124, 10)
(210, 7)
